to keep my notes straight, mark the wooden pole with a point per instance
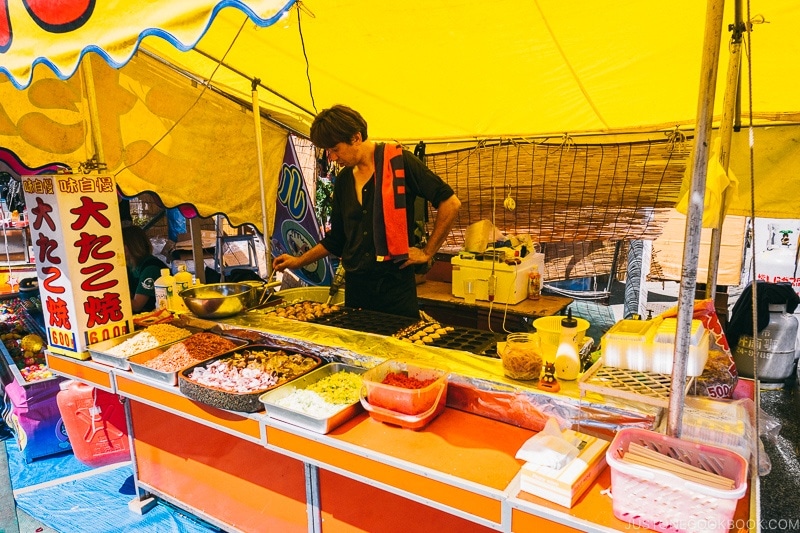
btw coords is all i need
(694, 218)
(729, 113)
(94, 114)
(265, 228)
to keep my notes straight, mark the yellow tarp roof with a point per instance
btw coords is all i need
(421, 70)
(443, 71)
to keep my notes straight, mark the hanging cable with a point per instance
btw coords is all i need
(751, 137)
(199, 96)
(305, 55)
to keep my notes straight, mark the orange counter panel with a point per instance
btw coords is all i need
(240, 424)
(348, 505)
(238, 482)
(79, 370)
(465, 446)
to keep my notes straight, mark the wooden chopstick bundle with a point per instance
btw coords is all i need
(642, 455)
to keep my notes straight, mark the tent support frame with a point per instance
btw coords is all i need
(694, 217)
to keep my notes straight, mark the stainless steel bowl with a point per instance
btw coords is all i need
(217, 300)
(258, 287)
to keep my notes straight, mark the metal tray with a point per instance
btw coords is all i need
(246, 402)
(138, 363)
(99, 351)
(318, 425)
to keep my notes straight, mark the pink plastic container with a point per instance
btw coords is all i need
(396, 418)
(656, 499)
(406, 401)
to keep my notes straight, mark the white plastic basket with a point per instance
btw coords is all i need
(656, 499)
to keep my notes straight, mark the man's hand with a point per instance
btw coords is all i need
(416, 256)
(284, 261)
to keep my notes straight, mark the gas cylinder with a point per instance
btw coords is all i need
(775, 348)
(95, 423)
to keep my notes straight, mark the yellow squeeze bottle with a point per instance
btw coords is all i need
(568, 363)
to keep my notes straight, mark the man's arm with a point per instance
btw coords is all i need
(285, 261)
(445, 217)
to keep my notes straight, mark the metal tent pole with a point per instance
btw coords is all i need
(694, 217)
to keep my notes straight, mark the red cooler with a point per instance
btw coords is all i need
(95, 422)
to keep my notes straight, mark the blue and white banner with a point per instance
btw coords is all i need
(296, 226)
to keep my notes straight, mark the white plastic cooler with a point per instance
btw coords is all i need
(512, 280)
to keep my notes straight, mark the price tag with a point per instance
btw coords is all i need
(61, 338)
(104, 333)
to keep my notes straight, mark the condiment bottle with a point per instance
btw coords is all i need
(183, 281)
(534, 283)
(165, 290)
(568, 364)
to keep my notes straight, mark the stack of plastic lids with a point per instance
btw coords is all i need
(628, 344)
(664, 348)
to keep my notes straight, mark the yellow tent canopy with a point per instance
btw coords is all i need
(459, 70)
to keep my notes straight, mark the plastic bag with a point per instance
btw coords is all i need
(549, 447)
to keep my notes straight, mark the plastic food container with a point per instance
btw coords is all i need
(628, 344)
(664, 348)
(401, 400)
(522, 356)
(656, 499)
(407, 421)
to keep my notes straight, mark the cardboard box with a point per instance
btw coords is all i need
(565, 485)
(512, 280)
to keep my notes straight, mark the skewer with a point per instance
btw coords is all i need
(638, 454)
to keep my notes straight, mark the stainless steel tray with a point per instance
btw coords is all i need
(99, 351)
(138, 366)
(319, 425)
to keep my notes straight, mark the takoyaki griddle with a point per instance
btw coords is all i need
(470, 340)
(366, 321)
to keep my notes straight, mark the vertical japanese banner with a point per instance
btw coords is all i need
(296, 226)
(76, 234)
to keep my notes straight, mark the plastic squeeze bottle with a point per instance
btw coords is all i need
(568, 364)
(183, 281)
(165, 290)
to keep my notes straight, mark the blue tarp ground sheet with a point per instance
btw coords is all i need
(66, 495)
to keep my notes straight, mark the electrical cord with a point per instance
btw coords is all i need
(305, 55)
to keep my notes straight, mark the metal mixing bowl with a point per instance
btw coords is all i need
(217, 300)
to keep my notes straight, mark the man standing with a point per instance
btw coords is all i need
(372, 218)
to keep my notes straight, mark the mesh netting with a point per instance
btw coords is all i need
(577, 200)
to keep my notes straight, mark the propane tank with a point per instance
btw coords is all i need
(775, 348)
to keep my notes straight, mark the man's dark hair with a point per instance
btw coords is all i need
(337, 124)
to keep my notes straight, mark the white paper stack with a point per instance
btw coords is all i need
(565, 485)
